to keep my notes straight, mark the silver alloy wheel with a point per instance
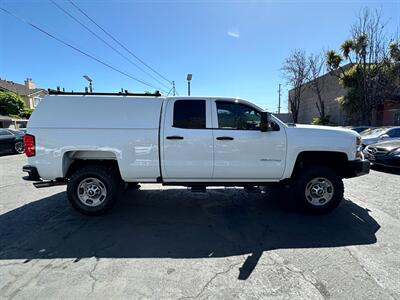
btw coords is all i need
(19, 147)
(319, 191)
(92, 192)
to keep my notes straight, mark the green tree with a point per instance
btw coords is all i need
(26, 113)
(367, 65)
(11, 104)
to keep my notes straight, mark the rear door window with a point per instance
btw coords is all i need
(190, 114)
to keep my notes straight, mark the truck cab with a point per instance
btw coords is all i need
(219, 140)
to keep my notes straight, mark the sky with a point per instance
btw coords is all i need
(232, 48)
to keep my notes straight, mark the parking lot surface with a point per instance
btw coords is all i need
(169, 243)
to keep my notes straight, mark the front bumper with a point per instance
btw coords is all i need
(387, 161)
(356, 168)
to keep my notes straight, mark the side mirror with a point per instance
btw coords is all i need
(384, 136)
(265, 124)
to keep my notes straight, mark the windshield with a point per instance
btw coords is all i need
(375, 131)
(15, 132)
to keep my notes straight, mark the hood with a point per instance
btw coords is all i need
(321, 138)
(370, 139)
(389, 145)
(327, 128)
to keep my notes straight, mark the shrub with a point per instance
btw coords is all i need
(321, 120)
(11, 104)
(26, 113)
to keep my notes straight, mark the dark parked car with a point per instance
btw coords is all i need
(385, 153)
(11, 141)
(360, 129)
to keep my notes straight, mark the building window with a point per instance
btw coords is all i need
(36, 101)
(396, 120)
(190, 114)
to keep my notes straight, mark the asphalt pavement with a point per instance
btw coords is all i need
(169, 243)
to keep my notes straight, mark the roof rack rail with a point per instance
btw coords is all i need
(125, 93)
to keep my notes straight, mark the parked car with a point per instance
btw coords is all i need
(380, 134)
(187, 141)
(384, 153)
(360, 129)
(11, 141)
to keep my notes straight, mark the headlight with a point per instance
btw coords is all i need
(359, 153)
(395, 152)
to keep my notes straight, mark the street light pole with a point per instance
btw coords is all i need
(90, 83)
(189, 78)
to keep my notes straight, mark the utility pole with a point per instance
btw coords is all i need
(279, 99)
(173, 87)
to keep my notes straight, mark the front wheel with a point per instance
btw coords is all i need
(93, 190)
(318, 190)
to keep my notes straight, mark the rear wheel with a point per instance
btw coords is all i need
(318, 189)
(93, 190)
(19, 147)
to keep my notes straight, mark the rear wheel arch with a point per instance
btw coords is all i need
(74, 160)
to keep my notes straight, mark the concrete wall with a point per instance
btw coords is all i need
(284, 117)
(27, 101)
(391, 113)
(330, 91)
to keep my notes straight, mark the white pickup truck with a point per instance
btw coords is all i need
(95, 143)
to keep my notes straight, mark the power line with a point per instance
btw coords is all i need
(105, 42)
(77, 49)
(119, 43)
(170, 91)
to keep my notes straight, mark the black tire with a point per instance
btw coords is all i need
(19, 147)
(312, 178)
(102, 178)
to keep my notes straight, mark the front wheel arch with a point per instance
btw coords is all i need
(331, 159)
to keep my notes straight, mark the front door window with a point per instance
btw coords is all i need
(237, 116)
